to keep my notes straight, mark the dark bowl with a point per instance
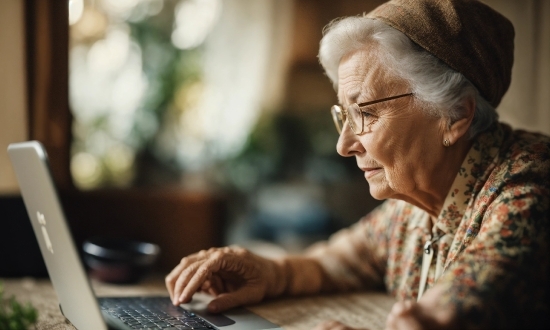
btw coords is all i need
(119, 260)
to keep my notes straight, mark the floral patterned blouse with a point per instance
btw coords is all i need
(491, 252)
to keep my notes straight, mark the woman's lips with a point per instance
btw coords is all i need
(371, 171)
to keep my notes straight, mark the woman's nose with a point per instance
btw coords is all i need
(348, 143)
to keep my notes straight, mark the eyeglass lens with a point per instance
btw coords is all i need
(356, 118)
(337, 117)
(353, 113)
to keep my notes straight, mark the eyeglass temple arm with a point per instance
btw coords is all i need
(384, 99)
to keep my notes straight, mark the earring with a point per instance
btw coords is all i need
(446, 143)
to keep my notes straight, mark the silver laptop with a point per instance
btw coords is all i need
(76, 297)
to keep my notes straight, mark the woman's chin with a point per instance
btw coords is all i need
(380, 191)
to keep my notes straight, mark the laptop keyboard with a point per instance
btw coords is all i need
(152, 313)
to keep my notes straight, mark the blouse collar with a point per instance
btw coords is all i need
(470, 178)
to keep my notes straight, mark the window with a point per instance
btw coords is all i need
(169, 85)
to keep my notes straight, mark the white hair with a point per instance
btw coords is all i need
(441, 89)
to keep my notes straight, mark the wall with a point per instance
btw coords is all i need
(12, 87)
(527, 103)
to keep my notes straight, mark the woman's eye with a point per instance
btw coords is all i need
(369, 116)
(367, 112)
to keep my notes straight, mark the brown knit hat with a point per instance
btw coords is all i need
(467, 35)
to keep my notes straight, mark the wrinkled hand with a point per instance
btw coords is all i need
(233, 275)
(404, 315)
(333, 325)
(428, 314)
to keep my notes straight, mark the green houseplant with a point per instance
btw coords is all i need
(14, 315)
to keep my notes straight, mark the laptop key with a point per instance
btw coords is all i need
(148, 324)
(196, 325)
(153, 313)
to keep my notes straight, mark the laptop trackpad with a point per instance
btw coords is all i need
(218, 320)
(198, 306)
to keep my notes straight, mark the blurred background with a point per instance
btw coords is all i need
(212, 95)
(198, 123)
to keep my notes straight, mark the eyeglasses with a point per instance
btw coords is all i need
(354, 115)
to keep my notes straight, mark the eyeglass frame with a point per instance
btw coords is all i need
(337, 108)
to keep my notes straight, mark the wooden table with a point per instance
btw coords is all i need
(355, 309)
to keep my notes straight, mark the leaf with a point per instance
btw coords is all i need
(13, 315)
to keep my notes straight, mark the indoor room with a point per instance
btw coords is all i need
(176, 126)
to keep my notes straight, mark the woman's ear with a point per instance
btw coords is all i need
(460, 127)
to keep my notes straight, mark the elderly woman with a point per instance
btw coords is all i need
(462, 238)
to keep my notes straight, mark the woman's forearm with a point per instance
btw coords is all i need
(300, 275)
